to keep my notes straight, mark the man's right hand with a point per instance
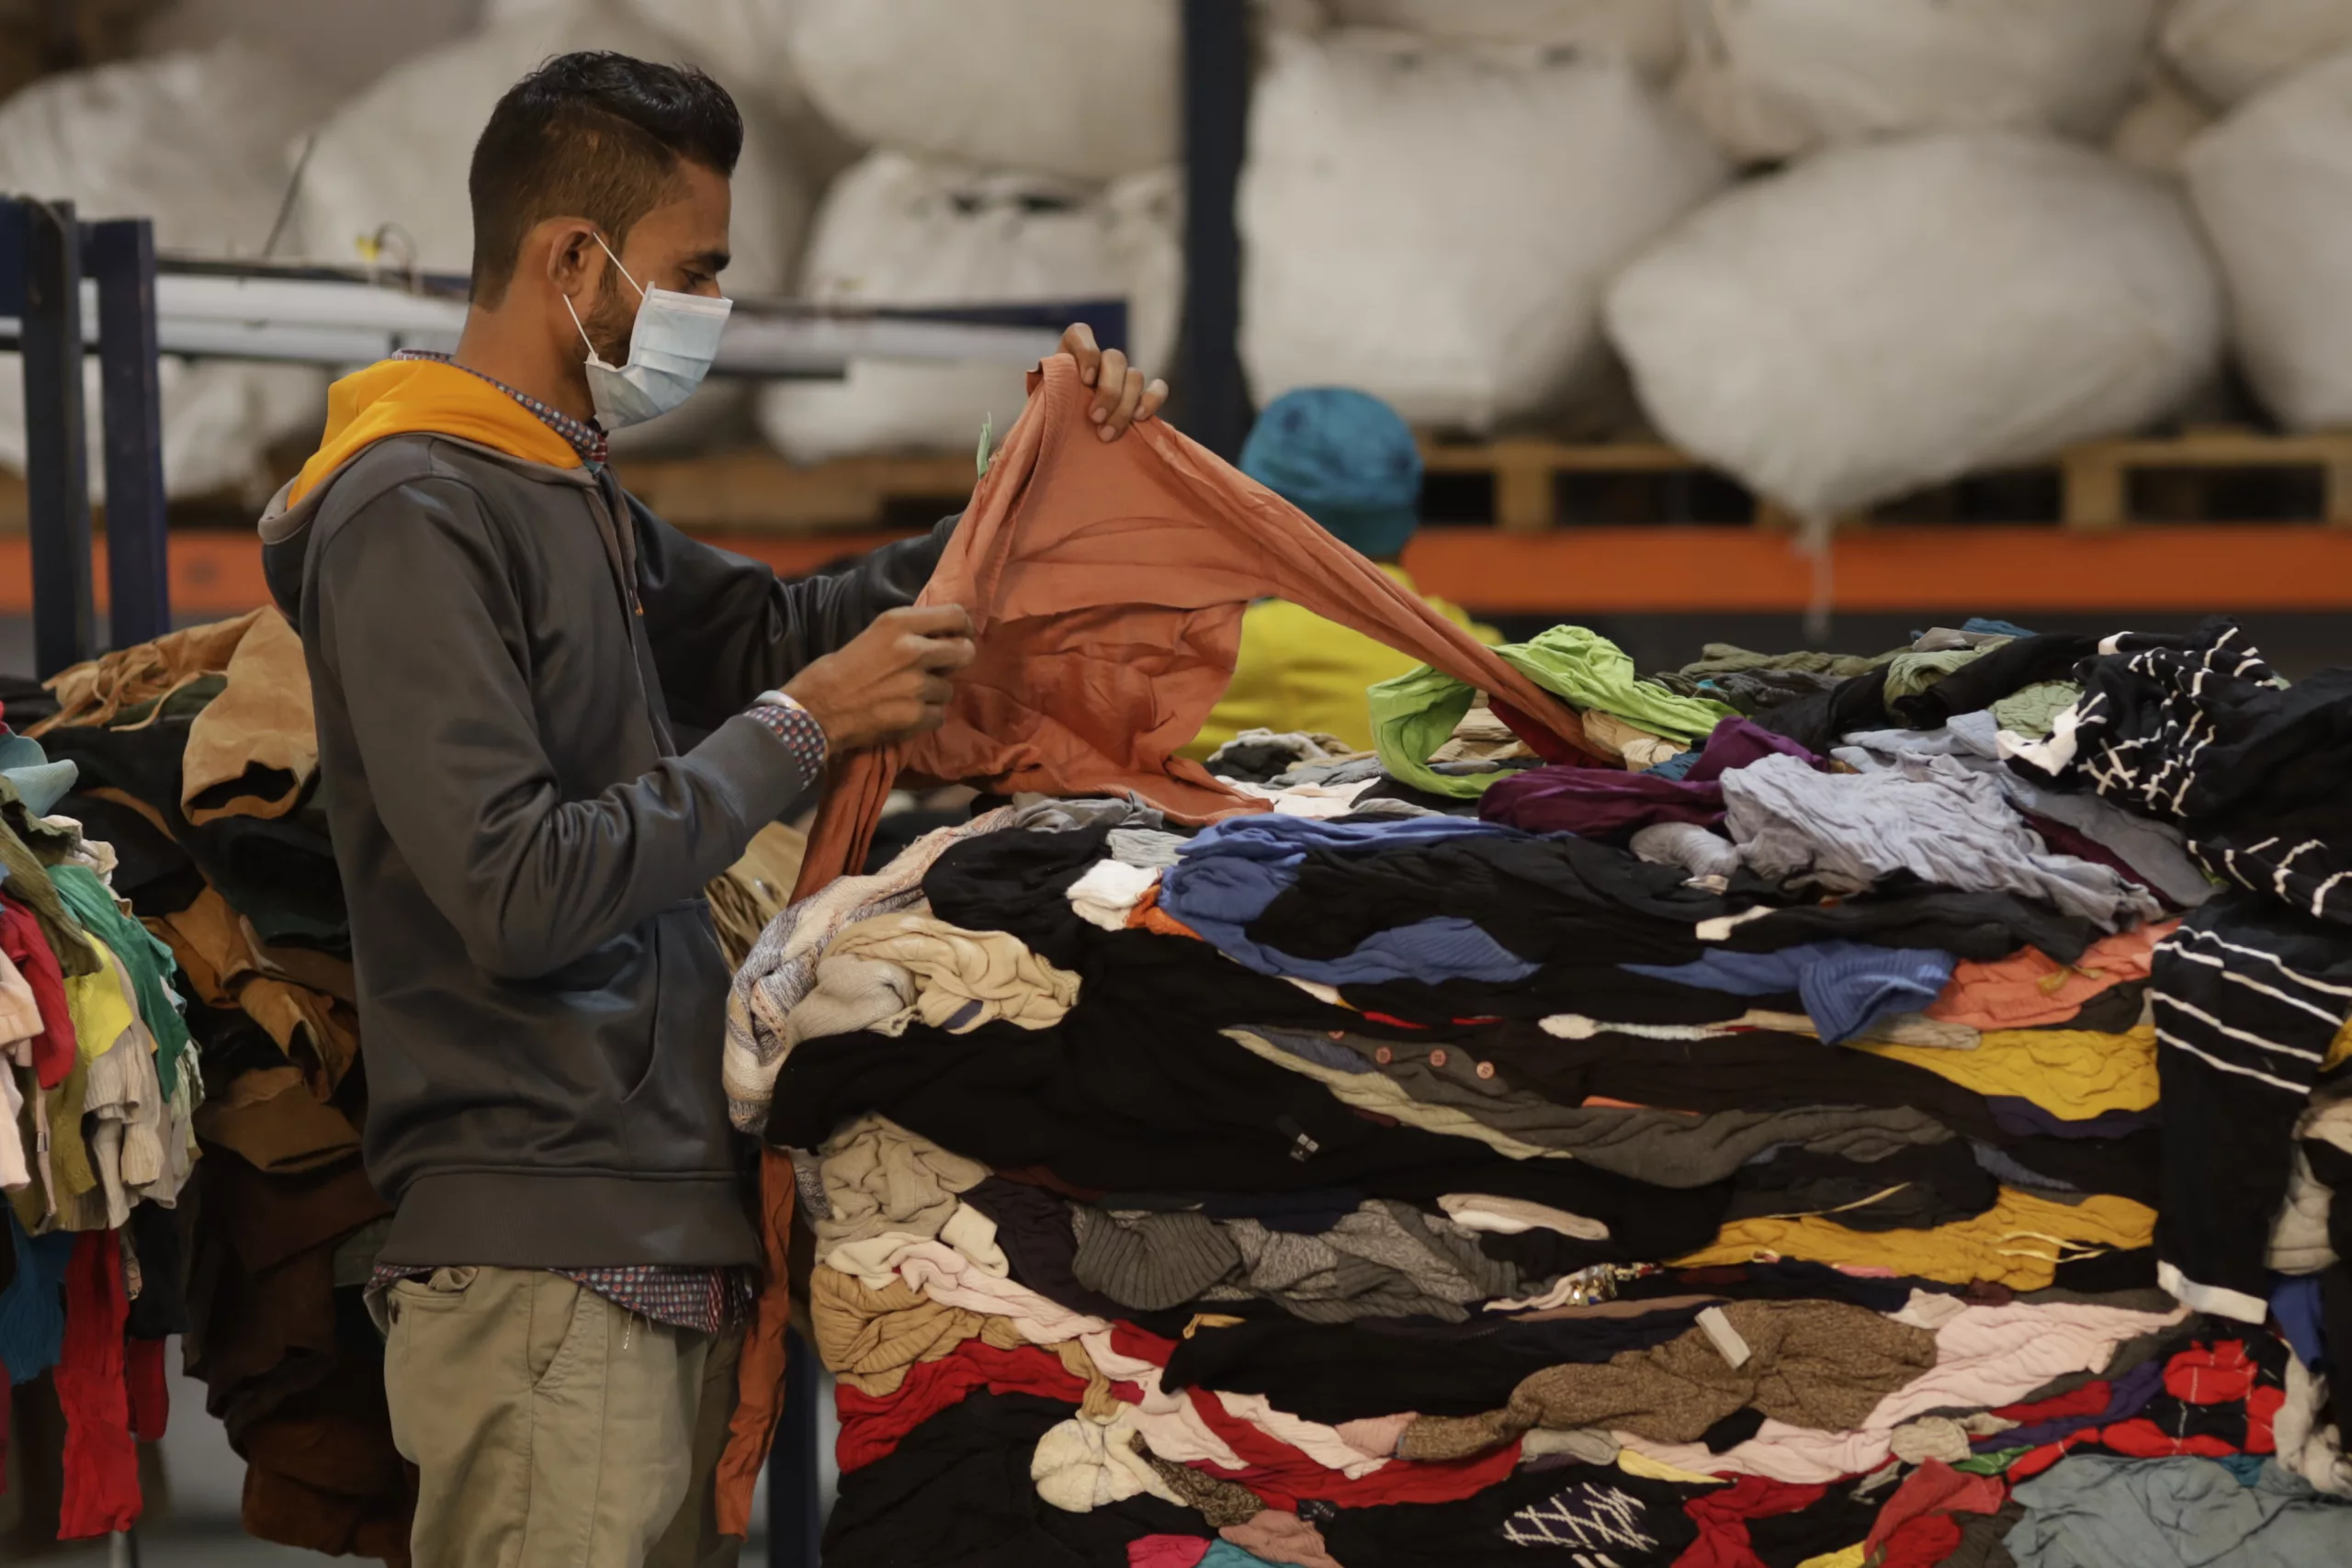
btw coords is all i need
(891, 679)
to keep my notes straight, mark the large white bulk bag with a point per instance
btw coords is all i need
(1434, 224)
(1085, 89)
(1774, 78)
(397, 156)
(2273, 184)
(1892, 315)
(2230, 49)
(198, 141)
(1647, 33)
(897, 230)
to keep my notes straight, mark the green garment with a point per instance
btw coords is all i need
(1413, 715)
(28, 883)
(1993, 1463)
(1911, 673)
(150, 961)
(2032, 712)
(1722, 659)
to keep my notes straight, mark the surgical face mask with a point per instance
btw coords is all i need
(669, 351)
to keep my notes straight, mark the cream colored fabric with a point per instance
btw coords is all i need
(963, 980)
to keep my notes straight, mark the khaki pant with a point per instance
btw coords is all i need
(551, 1427)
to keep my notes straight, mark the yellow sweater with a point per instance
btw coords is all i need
(1298, 671)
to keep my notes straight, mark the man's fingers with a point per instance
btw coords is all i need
(1154, 397)
(944, 653)
(1130, 399)
(1078, 342)
(1113, 384)
(932, 620)
(938, 691)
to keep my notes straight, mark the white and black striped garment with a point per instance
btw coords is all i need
(2197, 730)
(2248, 995)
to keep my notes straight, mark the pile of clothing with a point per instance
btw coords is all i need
(1828, 1112)
(101, 1088)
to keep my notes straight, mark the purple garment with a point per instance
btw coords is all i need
(1598, 803)
(2127, 1396)
(2027, 1120)
(1739, 741)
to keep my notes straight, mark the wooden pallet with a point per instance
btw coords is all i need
(2096, 486)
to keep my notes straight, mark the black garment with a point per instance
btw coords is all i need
(151, 871)
(1733, 1431)
(955, 1493)
(1354, 1372)
(157, 1240)
(1904, 912)
(1837, 1521)
(1935, 1184)
(2115, 1010)
(2129, 1167)
(2133, 1268)
(1820, 723)
(1754, 1070)
(2249, 995)
(1986, 680)
(1787, 1280)
(2191, 730)
(1576, 1516)
(1016, 881)
(1396, 789)
(279, 873)
(1136, 1089)
(496, 650)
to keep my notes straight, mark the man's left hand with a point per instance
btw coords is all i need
(1123, 395)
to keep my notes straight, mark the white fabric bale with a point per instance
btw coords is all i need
(1076, 88)
(398, 155)
(1647, 33)
(2230, 49)
(2273, 184)
(198, 141)
(1434, 224)
(1774, 78)
(2156, 131)
(1892, 315)
(898, 230)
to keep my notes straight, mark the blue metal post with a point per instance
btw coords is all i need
(122, 258)
(796, 1513)
(56, 456)
(1215, 401)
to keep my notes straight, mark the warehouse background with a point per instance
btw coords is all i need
(1768, 321)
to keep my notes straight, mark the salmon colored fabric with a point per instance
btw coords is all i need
(759, 1375)
(1147, 915)
(1107, 580)
(2030, 989)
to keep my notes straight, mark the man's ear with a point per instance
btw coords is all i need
(574, 259)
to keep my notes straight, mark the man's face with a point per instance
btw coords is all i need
(680, 245)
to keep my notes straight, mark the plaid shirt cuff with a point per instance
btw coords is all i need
(797, 728)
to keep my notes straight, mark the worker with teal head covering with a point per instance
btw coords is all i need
(1349, 461)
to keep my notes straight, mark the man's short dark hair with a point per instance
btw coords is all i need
(592, 135)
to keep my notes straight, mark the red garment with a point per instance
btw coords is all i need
(1286, 1477)
(1166, 1551)
(150, 1396)
(2211, 1374)
(54, 1047)
(2087, 1399)
(1915, 1529)
(101, 1462)
(1106, 580)
(1721, 1516)
(2142, 1438)
(871, 1427)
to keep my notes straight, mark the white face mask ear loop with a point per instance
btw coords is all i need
(617, 267)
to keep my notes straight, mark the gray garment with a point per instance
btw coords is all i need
(1146, 848)
(2155, 850)
(1386, 1260)
(1666, 1148)
(2003, 1166)
(1688, 845)
(1929, 816)
(1981, 1538)
(1387, 807)
(1944, 639)
(1361, 769)
(1053, 816)
(2096, 1512)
